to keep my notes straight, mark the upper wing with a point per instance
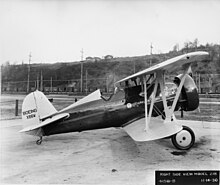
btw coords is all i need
(171, 64)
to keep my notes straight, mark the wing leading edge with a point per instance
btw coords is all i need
(170, 65)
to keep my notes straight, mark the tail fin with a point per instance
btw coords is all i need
(36, 107)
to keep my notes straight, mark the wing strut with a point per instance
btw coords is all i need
(180, 88)
(162, 87)
(145, 103)
(148, 119)
(153, 100)
(169, 112)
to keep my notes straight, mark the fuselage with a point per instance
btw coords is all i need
(123, 107)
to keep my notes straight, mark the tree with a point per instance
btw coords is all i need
(176, 47)
(195, 43)
(186, 46)
(7, 63)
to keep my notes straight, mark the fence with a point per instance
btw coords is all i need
(60, 86)
(206, 83)
(10, 109)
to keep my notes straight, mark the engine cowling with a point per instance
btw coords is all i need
(189, 97)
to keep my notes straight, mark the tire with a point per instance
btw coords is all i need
(184, 139)
(38, 142)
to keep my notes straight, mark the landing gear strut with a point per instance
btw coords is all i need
(184, 139)
(39, 141)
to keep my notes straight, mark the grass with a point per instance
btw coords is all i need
(208, 112)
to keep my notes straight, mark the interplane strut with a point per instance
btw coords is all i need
(169, 111)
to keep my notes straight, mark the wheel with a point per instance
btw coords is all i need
(39, 141)
(184, 139)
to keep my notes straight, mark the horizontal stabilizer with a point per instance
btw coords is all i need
(96, 95)
(45, 122)
(157, 130)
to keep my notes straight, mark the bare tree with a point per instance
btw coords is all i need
(176, 47)
(195, 43)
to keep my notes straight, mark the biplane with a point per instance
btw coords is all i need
(141, 104)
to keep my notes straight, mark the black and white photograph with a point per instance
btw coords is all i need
(107, 92)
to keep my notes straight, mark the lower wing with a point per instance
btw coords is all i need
(158, 129)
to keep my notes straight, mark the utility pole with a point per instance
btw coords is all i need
(82, 70)
(151, 48)
(28, 81)
(41, 81)
(37, 81)
(86, 81)
(134, 67)
(51, 84)
(107, 83)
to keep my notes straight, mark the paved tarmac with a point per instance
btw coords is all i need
(106, 156)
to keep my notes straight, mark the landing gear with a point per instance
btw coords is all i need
(184, 139)
(39, 141)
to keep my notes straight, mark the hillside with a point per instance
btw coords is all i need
(100, 74)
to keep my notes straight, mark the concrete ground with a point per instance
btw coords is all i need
(107, 156)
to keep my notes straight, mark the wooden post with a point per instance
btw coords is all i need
(16, 107)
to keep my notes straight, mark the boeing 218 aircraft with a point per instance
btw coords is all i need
(140, 105)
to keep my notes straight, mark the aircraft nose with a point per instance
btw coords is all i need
(190, 94)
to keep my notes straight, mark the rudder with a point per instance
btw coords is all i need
(36, 107)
